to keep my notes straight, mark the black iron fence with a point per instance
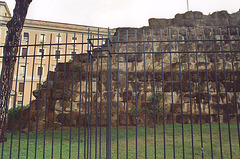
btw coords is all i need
(134, 94)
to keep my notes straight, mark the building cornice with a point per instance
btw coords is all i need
(59, 27)
(6, 6)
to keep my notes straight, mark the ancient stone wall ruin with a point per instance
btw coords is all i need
(210, 74)
(194, 74)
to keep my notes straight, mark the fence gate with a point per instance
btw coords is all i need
(135, 93)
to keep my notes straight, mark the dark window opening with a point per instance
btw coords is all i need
(25, 35)
(39, 71)
(24, 52)
(20, 89)
(57, 54)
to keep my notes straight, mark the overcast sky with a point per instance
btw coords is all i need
(118, 13)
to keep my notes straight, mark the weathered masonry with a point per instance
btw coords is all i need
(190, 64)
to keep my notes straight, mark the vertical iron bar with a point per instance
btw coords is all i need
(126, 94)
(216, 80)
(145, 94)
(164, 128)
(55, 89)
(63, 95)
(174, 154)
(118, 96)
(209, 108)
(38, 102)
(86, 100)
(80, 102)
(199, 94)
(180, 75)
(89, 140)
(46, 108)
(154, 99)
(100, 120)
(190, 91)
(30, 107)
(109, 101)
(96, 133)
(136, 89)
(110, 51)
(91, 103)
(21, 113)
(73, 60)
(109, 93)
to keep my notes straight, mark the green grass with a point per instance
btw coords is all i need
(131, 142)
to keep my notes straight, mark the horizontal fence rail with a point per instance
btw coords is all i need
(136, 93)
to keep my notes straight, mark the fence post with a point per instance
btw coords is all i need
(109, 97)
